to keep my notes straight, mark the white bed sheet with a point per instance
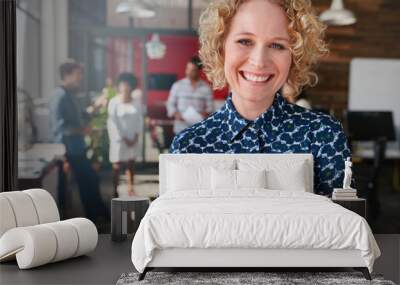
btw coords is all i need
(251, 218)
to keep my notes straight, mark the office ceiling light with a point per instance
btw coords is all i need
(136, 9)
(337, 15)
(196, 4)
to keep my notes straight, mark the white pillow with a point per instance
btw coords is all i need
(223, 179)
(281, 174)
(187, 176)
(294, 180)
(237, 179)
(251, 178)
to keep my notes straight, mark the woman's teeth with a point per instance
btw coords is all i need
(255, 78)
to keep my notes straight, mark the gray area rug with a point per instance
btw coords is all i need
(269, 278)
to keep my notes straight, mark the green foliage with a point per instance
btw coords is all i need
(98, 140)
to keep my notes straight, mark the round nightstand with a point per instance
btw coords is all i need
(126, 214)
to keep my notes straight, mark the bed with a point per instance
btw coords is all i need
(246, 211)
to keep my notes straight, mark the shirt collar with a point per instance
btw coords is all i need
(198, 83)
(264, 122)
(68, 91)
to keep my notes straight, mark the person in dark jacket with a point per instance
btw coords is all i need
(67, 126)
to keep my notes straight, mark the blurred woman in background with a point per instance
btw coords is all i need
(124, 126)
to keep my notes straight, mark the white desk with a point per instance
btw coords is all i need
(42, 151)
(365, 151)
(368, 153)
(38, 167)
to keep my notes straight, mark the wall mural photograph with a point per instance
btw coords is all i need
(208, 141)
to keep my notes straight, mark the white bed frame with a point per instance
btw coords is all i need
(250, 257)
(246, 257)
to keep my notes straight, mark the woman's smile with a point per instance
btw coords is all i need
(256, 78)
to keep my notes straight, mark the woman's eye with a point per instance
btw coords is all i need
(244, 42)
(277, 46)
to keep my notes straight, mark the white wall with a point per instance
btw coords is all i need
(375, 86)
(54, 50)
(54, 42)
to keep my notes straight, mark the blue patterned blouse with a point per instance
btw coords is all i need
(283, 128)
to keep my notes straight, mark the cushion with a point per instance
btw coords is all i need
(7, 219)
(66, 237)
(40, 244)
(251, 178)
(281, 174)
(26, 208)
(32, 246)
(223, 179)
(193, 176)
(294, 180)
(31, 232)
(237, 179)
(45, 205)
(23, 208)
(87, 233)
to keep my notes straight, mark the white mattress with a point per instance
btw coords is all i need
(253, 218)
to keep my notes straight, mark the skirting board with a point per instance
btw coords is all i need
(189, 257)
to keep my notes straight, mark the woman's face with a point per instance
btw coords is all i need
(124, 88)
(257, 58)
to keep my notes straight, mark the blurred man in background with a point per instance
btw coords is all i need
(68, 127)
(190, 99)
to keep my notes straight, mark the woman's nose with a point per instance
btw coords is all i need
(259, 57)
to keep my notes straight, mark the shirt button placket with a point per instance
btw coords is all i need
(255, 148)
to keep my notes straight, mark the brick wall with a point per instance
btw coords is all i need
(375, 35)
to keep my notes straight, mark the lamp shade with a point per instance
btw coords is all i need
(135, 8)
(337, 15)
(123, 7)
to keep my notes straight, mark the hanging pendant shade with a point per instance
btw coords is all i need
(337, 15)
(135, 8)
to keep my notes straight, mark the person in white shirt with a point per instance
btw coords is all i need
(124, 126)
(190, 99)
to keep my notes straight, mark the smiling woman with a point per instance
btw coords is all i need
(257, 56)
(255, 47)
(299, 24)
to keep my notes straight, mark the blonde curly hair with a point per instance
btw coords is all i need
(306, 34)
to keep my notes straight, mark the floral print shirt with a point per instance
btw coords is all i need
(283, 128)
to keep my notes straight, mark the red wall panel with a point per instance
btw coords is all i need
(179, 50)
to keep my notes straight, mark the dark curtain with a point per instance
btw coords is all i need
(8, 100)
